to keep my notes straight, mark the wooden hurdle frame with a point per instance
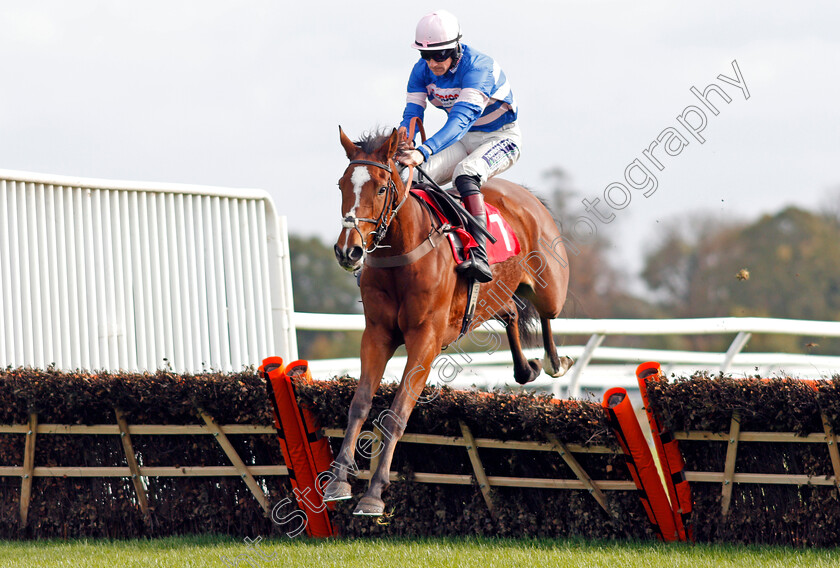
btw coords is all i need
(134, 471)
(729, 477)
(485, 483)
(28, 471)
(582, 481)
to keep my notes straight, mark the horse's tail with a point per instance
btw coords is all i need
(528, 321)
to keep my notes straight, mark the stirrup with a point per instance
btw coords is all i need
(479, 271)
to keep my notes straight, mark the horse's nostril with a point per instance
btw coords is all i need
(337, 252)
(355, 253)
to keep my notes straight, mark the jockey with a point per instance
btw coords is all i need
(480, 137)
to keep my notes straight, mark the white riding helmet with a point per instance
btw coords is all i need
(438, 30)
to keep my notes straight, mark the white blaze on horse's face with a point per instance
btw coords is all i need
(360, 177)
(348, 248)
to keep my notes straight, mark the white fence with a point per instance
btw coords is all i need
(493, 369)
(100, 274)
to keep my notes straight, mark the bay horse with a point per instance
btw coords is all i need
(420, 301)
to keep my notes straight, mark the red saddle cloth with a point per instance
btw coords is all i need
(506, 245)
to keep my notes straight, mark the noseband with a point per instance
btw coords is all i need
(389, 210)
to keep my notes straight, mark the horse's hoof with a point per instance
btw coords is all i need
(531, 373)
(564, 364)
(370, 507)
(337, 491)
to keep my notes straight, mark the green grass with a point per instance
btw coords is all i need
(402, 553)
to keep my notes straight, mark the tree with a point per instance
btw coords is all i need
(682, 269)
(830, 206)
(783, 265)
(321, 286)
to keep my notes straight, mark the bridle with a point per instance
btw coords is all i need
(389, 210)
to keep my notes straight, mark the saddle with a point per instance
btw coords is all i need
(455, 216)
(500, 247)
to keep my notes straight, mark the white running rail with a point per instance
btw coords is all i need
(742, 328)
(113, 275)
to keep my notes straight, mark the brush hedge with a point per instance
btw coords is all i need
(107, 506)
(799, 515)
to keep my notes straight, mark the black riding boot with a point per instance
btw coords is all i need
(476, 266)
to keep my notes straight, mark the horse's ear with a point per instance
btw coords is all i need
(350, 148)
(389, 149)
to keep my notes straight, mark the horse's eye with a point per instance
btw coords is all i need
(382, 190)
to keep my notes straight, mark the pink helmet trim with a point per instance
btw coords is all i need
(437, 30)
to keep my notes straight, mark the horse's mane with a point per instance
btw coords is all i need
(544, 203)
(371, 141)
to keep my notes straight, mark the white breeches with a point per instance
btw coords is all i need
(479, 154)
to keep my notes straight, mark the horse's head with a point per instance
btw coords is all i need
(371, 192)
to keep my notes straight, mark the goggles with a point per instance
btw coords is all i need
(438, 55)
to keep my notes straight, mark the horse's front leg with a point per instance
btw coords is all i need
(422, 347)
(377, 348)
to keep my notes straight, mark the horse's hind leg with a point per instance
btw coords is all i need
(555, 366)
(524, 371)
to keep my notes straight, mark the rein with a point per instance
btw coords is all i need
(384, 220)
(428, 245)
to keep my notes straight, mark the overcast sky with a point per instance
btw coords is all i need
(250, 94)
